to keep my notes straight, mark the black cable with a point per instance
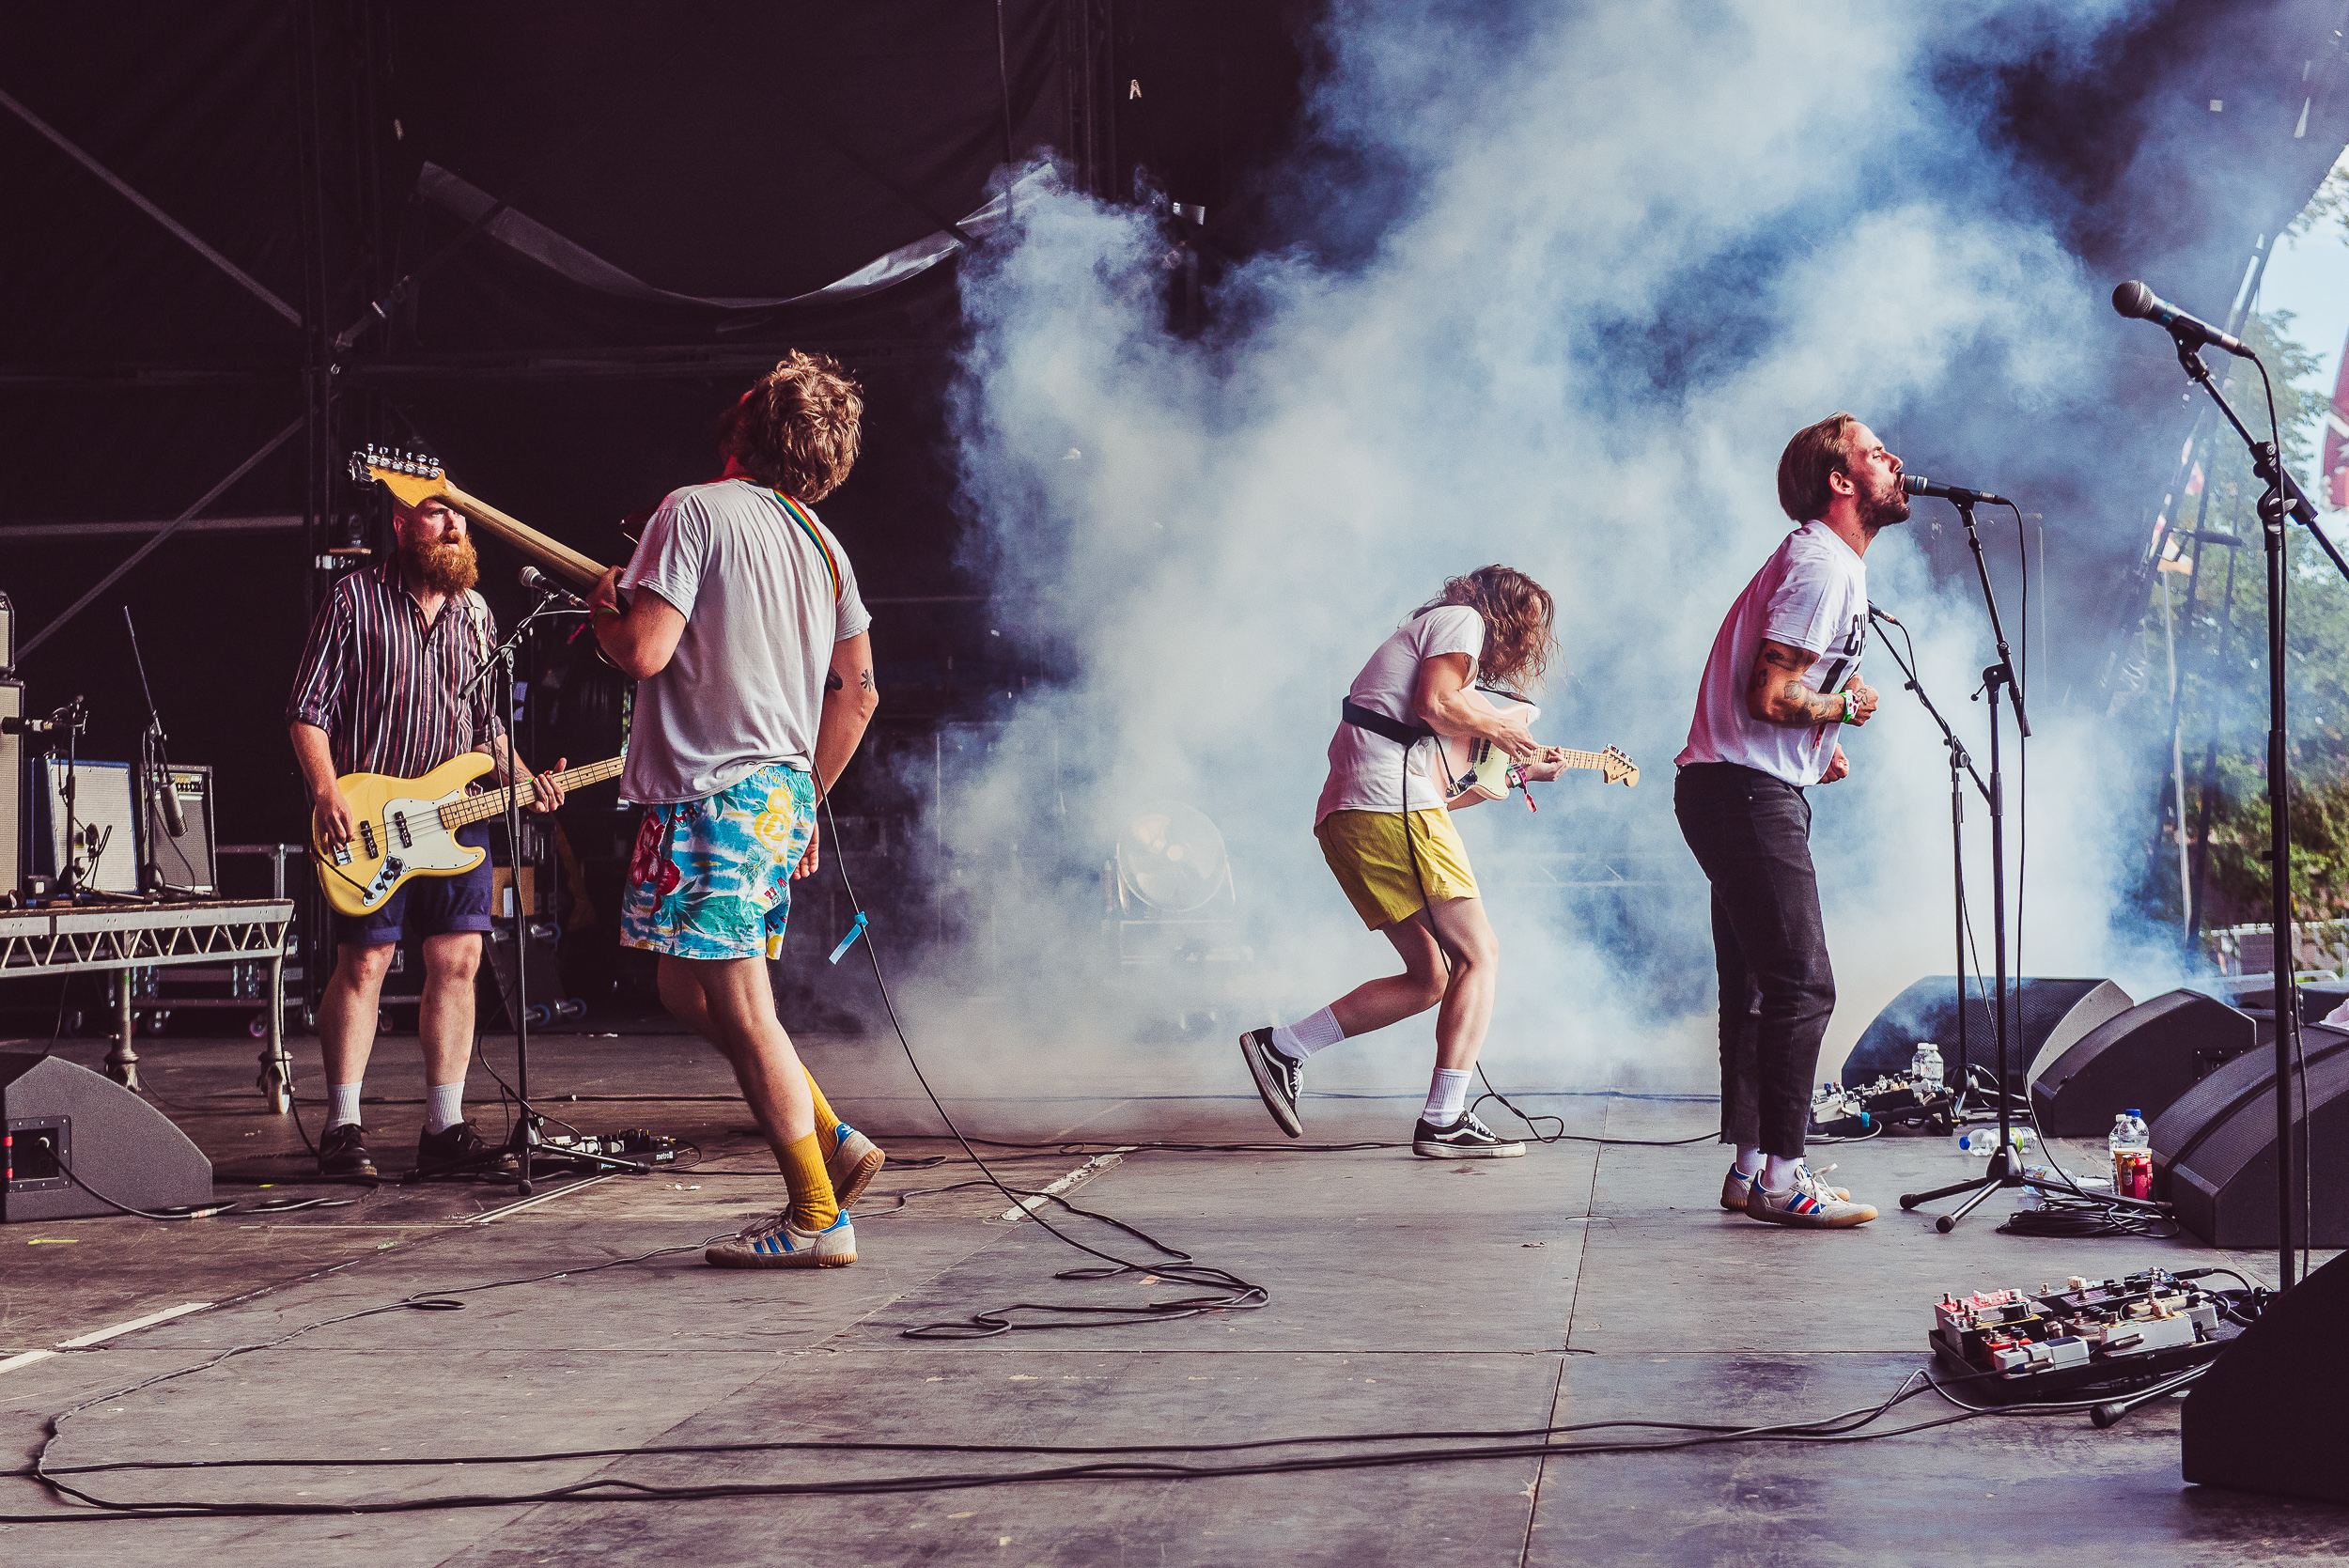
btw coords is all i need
(1228, 1291)
(185, 1211)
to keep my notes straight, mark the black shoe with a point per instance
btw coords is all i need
(1275, 1072)
(343, 1152)
(1466, 1139)
(460, 1145)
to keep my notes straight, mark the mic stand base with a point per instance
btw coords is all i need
(2002, 1177)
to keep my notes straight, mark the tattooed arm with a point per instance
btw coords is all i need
(849, 701)
(1776, 695)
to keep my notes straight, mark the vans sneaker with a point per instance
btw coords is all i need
(1276, 1075)
(1466, 1139)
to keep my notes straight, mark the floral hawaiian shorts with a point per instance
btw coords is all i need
(712, 878)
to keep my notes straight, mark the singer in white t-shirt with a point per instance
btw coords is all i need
(1779, 688)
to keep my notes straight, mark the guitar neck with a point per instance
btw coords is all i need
(580, 572)
(1595, 760)
(479, 808)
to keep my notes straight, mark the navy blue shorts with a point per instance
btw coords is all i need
(427, 906)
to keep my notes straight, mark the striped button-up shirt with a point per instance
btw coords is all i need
(383, 684)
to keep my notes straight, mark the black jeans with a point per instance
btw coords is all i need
(1751, 833)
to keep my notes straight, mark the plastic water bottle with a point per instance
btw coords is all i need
(1926, 1063)
(2132, 1146)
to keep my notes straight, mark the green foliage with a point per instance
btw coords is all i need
(2221, 635)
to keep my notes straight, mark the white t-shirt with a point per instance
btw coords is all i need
(1366, 769)
(1812, 593)
(765, 598)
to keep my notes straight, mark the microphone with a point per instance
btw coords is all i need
(1878, 615)
(1916, 484)
(539, 582)
(2133, 298)
(175, 820)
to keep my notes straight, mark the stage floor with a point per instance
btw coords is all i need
(1576, 1284)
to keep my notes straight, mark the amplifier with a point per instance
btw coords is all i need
(12, 823)
(104, 815)
(186, 863)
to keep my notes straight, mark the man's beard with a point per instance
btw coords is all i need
(448, 568)
(1885, 508)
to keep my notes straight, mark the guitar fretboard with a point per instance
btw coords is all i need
(476, 808)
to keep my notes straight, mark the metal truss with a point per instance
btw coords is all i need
(70, 941)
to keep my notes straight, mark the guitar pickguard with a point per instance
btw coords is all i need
(414, 840)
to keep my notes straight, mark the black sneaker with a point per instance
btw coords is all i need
(1276, 1075)
(1466, 1139)
(460, 1145)
(343, 1152)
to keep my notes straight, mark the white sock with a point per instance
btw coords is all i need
(1780, 1177)
(447, 1107)
(1300, 1040)
(1447, 1096)
(343, 1102)
(1748, 1158)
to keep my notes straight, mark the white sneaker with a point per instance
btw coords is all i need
(774, 1242)
(1809, 1203)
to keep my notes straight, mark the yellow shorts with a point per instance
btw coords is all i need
(1366, 851)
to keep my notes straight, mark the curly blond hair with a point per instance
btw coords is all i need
(799, 426)
(1520, 622)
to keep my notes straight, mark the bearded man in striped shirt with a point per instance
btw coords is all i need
(381, 690)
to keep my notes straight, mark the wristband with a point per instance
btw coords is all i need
(1851, 707)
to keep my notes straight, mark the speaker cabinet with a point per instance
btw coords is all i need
(2056, 1013)
(2267, 1416)
(105, 1134)
(187, 863)
(104, 804)
(12, 823)
(2141, 1060)
(2215, 1149)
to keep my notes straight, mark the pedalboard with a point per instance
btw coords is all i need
(652, 1148)
(2014, 1346)
(1901, 1102)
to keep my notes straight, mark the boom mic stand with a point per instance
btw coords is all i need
(524, 1138)
(2004, 1173)
(1961, 766)
(2280, 499)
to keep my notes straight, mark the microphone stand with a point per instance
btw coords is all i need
(2005, 1171)
(1961, 766)
(524, 1138)
(2281, 499)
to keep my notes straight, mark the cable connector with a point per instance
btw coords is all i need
(848, 941)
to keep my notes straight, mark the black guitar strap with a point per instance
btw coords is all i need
(1375, 722)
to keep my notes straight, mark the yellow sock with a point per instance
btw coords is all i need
(813, 1206)
(825, 1123)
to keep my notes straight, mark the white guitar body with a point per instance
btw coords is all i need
(1483, 770)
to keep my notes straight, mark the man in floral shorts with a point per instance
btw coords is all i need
(754, 675)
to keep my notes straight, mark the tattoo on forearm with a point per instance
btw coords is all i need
(1777, 681)
(864, 679)
(832, 681)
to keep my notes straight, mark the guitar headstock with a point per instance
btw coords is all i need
(413, 478)
(1615, 767)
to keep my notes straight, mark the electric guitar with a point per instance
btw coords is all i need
(1477, 768)
(404, 828)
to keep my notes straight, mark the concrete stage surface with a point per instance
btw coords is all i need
(1576, 1284)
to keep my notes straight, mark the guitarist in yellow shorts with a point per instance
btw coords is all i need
(378, 692)
(1407, 875)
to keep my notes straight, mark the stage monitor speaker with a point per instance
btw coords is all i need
(105, 1134)
(2215, 1149)
(186, 863)
(2141, 1060)
(12, 823)
(2056, 1013)
(2266, 1416)
(103, 799)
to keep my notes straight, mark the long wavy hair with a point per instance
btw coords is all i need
(1521, 622)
